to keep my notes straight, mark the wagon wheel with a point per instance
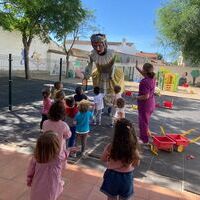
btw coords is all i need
(180, 148)
(154, 149)
(171, 149)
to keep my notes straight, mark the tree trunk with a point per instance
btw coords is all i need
(26, 42)
(26, 63)
(194, 81)
(67, 65)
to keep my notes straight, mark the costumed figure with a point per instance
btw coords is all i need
(106, 75)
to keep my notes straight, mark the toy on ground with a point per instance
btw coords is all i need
(171, 141)
(166, 104)
(162, 143)
(134, 107)
(128, 93)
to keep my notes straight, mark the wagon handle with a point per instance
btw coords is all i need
(162, 130)
(188, 132)
(195, 140)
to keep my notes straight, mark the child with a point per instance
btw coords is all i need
(146, 100)
(79, 94)
(44, 171)
(57, 87)
(82, 122)
(98, 105)
(117, 95)
(55, 123)
(119, 111)
(60, 96)
(71, 111)
(121, 157)
(46, 106)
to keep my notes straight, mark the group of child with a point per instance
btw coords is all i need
(116, 105)
(68, 120)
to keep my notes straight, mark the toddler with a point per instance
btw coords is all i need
(82, 122)
(46, 106)
(98, 105)
(119, 111)
(121, 157)
(57, 87)
(55, 123)
(79, 94)
(71, 111)
(44, 171)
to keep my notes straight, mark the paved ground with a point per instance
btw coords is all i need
(19, 130)
(81, 183)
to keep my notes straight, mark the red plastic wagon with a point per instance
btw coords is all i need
(181, 141)
(162, 143)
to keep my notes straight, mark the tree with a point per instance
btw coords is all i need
(179, 25)
(23, 17)
(83, 28)
(160, 56)
(39, 18)
(195, 74)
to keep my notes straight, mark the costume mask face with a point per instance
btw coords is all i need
(99, 43)
(98, 47)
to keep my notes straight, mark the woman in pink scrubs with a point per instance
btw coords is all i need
(146, 100)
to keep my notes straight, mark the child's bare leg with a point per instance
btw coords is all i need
(83, 142)
(111, 198)
(130, 198)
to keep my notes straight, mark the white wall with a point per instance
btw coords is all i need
(40, 59)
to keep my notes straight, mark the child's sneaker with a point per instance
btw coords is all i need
(73, 155)
(111, 125)
(99, 123)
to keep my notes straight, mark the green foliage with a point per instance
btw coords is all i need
(179, 25)
(39, 18)
(25, 17)
(67, 16)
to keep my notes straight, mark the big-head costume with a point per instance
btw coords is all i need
(105, 75)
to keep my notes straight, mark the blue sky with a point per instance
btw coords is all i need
(133, 20)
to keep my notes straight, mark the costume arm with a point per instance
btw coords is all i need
(88, 69)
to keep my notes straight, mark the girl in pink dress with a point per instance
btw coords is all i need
(46, 106)
(121, 157)
(55, 123)
(44, 171)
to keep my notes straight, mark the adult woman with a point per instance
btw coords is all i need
(146, 100)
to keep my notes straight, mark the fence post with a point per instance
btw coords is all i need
(60, 74)
(10, 83)
(133, 70)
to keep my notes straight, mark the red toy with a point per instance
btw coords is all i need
(181, 141)
(162, 143)
(168, 104)
(128, 93)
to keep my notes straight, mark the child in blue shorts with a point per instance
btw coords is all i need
(121, 157)
(82, 122)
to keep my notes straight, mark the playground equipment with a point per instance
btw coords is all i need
(171, 141)
(167, 80)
